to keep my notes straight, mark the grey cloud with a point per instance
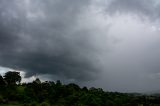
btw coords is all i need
(44, 37)
(77, 40)
(142, 8)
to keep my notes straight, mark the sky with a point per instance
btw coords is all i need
(112, 44)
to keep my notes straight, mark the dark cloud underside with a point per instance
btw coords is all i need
(112, 44)
(43, 37)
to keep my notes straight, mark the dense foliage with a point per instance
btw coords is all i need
(51, 93)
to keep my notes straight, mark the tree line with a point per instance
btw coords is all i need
(50, 93)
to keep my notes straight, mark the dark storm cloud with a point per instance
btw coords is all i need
(44, 37)
(115, 41)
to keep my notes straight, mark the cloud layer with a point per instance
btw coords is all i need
(47, 37)
(112, 44)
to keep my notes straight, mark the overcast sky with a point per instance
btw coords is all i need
(113, 44)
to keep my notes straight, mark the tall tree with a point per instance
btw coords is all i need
(12, 77)
(2, 81)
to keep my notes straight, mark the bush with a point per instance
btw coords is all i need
(1, 99)
(33, 104)
(44, 104)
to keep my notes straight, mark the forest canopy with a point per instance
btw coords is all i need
(50, 93)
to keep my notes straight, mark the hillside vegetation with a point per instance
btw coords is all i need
(49, 93)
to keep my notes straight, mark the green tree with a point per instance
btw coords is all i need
(2, 81)
(12, 77)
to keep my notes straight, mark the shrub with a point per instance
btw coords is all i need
(34, 104)
(44, 104)
(1, 99)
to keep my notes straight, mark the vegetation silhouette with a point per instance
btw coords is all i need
(50, 93)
